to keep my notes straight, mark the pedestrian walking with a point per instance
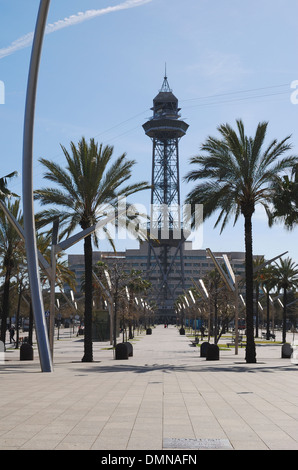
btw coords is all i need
(11, 333)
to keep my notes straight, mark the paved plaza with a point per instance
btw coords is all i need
(164, 397)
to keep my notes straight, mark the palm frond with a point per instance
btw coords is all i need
(237, 168)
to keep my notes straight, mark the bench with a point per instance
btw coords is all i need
(196, 341)
(240, 341)
(271, 335)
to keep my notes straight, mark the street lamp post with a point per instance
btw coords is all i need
(56, 248)
(108, 300)
(52, 286)
(195, 315)
(28, 210)
(207, 297)
(232, 283)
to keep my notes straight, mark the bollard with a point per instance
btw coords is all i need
(121, 351)
(212, 353)
(129, 348)
(26, 352)
(286, 351)
(203, 349)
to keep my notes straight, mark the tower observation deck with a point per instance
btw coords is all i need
(165, 265)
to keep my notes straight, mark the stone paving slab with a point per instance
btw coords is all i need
(163, 397)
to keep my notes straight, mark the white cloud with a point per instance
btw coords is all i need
(20, 43)
(26, 41)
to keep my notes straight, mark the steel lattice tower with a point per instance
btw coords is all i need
(165, 263)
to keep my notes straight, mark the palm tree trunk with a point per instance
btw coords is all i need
(5, 304)
(115, 311)
(30, 331)
(88, 353)
(18, 318)
(250, 343)
(268, 315)
(215, 320)
(130, 309)
(284, 320)
(257, 310)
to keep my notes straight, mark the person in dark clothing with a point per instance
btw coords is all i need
(11, 333)
(202, 332)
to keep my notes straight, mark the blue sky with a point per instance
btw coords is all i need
(226, 59)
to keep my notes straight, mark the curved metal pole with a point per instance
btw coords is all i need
(28, 210)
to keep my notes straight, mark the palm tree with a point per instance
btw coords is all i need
(214, 282)
(10, 249)
(268, 282)
(21, 276)
(220, 299)
(285, 201)
(239, 174)
(257, 280)
(88, 185)
(136, 285)
(286, 274)
(4, 191)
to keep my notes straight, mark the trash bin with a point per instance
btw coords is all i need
(26, 352)
(182, 331)
(204, 347)
(286, 351)
(212, 353)
(121, 351)
(129, 348)
(148, 331)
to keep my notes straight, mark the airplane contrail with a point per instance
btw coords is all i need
(27, 39)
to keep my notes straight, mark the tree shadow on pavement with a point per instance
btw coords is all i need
(203, 367)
